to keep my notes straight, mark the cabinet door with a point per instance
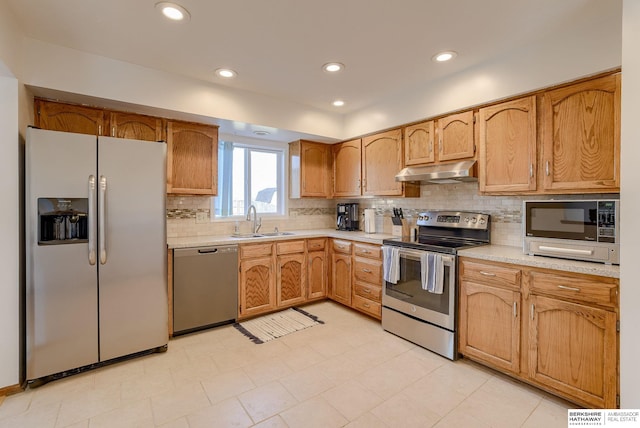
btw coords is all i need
(317, 274)
(455, 135)
(507, 146)
(573, 350)
(381, 161)
(581, 140)
(341, 278)
(291, 279)
(192, 158)
(315, 161)
(347, 168)
(418, 143)
(69, 118)
(136, 126)
(257, 286)
(490, 325)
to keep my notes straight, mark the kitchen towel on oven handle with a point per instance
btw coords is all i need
(432, 272)
(391, 264)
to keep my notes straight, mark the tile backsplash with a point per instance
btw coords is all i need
(184, 213)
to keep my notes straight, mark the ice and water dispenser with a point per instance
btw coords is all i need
(62, 220)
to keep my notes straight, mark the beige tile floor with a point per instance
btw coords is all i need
(347, 372)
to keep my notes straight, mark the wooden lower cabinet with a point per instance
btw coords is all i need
(291, 279)
(573, 349)
(257, 286)
(341, 278)
(554, 329)
(490, 325)
(317, 269)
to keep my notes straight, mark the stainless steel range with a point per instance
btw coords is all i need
(420, 278)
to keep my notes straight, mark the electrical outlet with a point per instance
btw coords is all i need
(201, 217)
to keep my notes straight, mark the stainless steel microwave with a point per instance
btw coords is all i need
(573, 229)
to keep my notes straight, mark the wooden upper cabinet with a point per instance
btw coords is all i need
(507, 146)
(419, 143)
(455, 136)
(135, 126)
(56, 116)
(309, 169)
(192, 158)
(347, 168)
(581, 136)
(381, 161)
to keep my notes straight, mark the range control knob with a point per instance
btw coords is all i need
(474, 220)
(466, 219)
(482, 220)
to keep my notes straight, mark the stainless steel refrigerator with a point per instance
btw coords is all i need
(96, 281)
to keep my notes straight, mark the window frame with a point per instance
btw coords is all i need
(282, 182)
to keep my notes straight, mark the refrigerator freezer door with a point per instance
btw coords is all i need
(133, 278)
(61, 292)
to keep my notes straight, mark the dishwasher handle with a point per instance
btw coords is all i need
(209, 251)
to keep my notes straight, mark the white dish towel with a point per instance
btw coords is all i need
(391, 264)
(432, 272)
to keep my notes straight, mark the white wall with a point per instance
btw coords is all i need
(629, 266)
(9, 222)
(9, 232)
(62, 69)
(546, 62)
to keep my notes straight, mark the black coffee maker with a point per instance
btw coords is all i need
(348, 217)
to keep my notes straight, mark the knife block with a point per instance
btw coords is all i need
(402, 229)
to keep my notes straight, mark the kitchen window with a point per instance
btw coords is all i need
(249, 175)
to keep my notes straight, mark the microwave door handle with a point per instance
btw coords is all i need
(561, 250)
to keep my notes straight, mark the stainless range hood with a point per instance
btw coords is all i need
(445, 173)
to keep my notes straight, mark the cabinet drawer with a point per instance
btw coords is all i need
(368, 306)
(316, 244)
(289, 247)
(490, 274)
(370, 251)
(586, 290)
(341, 246)
(368, 271)
(368, 291)
(255, 250)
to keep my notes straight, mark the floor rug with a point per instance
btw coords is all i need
(272, 326)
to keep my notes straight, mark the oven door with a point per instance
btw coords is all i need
(409, 297)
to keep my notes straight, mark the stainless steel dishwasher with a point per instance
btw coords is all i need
(205, 287)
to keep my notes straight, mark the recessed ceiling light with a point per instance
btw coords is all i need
(444, 56)
(333, 67)
(261, 132)
(338, 103)
(227, 73)
(173, 11)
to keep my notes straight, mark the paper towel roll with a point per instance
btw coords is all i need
(369, 220)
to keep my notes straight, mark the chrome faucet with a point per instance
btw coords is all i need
(256, 224)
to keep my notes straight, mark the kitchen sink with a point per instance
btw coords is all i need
(260, 235)
(277, 233)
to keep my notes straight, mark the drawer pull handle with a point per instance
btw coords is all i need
(533, 311)
(366, 305)
(487, 273)
(367, 290)
(564, 287)
(365, 251)
(366, 270)
(515, 309)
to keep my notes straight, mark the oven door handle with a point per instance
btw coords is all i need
(447, 260)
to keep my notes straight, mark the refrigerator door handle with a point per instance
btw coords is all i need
(92, 220)
(101, 220)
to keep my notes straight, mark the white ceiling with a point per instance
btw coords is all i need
(278, 46)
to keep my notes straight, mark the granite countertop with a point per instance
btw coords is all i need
(507, 254)
(208, 240)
